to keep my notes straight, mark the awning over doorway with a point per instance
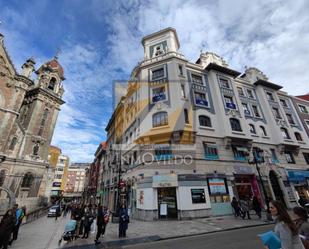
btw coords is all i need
(297, 175)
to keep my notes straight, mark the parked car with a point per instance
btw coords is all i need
(53, 211)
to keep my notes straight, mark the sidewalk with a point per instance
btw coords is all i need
(141, 231)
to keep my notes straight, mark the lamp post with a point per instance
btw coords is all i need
(256, 162)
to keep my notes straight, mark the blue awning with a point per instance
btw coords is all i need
(297, 175)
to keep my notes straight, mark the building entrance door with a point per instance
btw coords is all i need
(167, 203)
(276, 187)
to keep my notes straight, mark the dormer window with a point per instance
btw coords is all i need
(52, 84)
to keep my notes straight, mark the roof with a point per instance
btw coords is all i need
(214, 66)
(267, 84)
(54, 65)
(304, 97)
(160, 32)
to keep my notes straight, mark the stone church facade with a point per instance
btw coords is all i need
(28, 113)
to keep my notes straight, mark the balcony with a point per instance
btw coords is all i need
(201, 102)
(230, 105)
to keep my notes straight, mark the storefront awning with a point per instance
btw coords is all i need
(297, 175)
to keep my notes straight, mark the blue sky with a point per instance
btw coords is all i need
(100, 42)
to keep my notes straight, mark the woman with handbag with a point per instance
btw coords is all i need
(301, 221)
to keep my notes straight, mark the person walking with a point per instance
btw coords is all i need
(58, 212)
(301, 221)
(102, 220)
(88, 219)
(7, 225)
(235, 206)
(245, 207)
(123, 221)
(285, 228)
(19, 215)
(257, 206)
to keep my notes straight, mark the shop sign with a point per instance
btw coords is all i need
(217, 186)
(243, 170)
(159, 181)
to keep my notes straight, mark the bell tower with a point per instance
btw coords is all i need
(42, 105)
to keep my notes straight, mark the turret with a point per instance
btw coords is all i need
(28, 68)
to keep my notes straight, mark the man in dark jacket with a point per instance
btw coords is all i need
(123, 221)
(6, 228)
(102, 220)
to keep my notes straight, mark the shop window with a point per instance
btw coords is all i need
(160, 119)
(240, 153)
(306, 156)
(198, 196)
(218, 190)
(289, 157)
(163, 152)
(158, 94)
(252, 129)
(235, 124)
(274, 157)
(186, 116)
(197, 79)
(27, 180)
(211, 151)
(298, 136)
(200, 99)
(285, 133)
(204, 121)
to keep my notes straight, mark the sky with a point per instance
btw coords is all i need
(100, 42)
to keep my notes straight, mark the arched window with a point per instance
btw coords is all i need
(52, 84)
(23, 114)
(43, 121)
(252, 129)
(13, 143)
(159, 119)
(285, 133)
(263, 131)
(27, 180)
(2, 177)
(204, 121)
(235, 124)
(36, 149)
(298, 136)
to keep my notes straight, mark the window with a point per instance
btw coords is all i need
(198, 195)
(163, 152)
(27, 180)
(229, 102)
(35, 150)
(252, 129)
(158, 94)
(246, 109)
(235, 124)
(183, 91)
(211, 151)
(158, 73)
(197, 79)
(224, 83)
(270, 96)
(306, 156)
(283, 103)
(218, 189)
(13, 143)
(258, 154)
(52, 84)
(298, 136)
(200, 99)
(240, 91)
(274, 157)
(289, 157)
(250, 93)
(186, 116)
(303, 108)
(263, 131)
(180, 69)
(256, 111)
(276, 113)
(160, 119)
(285, 133)
(43, 121)
(290, 118)
(2, 177)
(240, 153)
(204, 121)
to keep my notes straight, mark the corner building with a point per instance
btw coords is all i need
(186, 132)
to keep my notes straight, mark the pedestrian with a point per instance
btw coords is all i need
(235, 206)
(285, 228)
(301, 221)
(87, 221)
(245, 207)
(58, 211)
(123, 221)
(102, 220)
(19, 215)
(257, 206)
(7, 225)
(78, 215)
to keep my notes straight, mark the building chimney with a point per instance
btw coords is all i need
(28, 68)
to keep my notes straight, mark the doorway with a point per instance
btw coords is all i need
(276, 187)
(167, 203)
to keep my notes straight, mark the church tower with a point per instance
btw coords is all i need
(40, 110)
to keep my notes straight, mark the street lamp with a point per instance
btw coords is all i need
(258, 159)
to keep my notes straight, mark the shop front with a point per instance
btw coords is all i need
(299, 180)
